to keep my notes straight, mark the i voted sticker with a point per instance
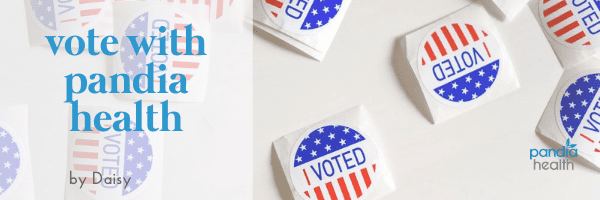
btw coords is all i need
(218, 11)
(108, 159)
(302, 16)
(334, 162)
(459, 63)
(147, 24)
(67, 17)
(574, 24)
(11, 161)
(578, 112)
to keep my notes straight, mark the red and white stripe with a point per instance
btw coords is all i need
(85, 152)
(217, 8)
(449, 39)
(563, 22)
(351, 186)
(88, 11)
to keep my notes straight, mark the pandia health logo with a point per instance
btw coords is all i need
(334, 162)
(10, 161)
(578, 112)
(302, 16)
(64, 17)
(572, 23)
(115, 155)
(459, 62)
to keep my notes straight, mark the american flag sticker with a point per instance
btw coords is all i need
(218, 9)
(147, 24)
(67, 17)
(10, 161)
(128, 154)
(334, 162)
(302, 16)
(459, 62)
(573, 24)
(578, 112)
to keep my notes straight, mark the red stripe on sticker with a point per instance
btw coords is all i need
(559, 19)
(68, 20)
(460, 34)
(319, 194)
(554, 8)
(190, 65)
(94, 131)
(90, 1)
(93, 191)
(429, 51)
(439, 44)
(587, 138)
(576, 37)
(374, 168)
(306, 193)
(84, 23)
(195, 52)
(366, 177)
(274, 14)
(84, 142)
(306, 176)
(331, 191)
(546, 1)
(472, 32)
(449, 38)
(82, 167)
(183, 40)
(90, 155)
(275, 3)
(90, 12)
(181, 27)
(487, 50)
(219, 8)
(566, 29)
(342, 184)
(355, 184)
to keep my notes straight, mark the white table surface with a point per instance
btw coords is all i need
(483, 154)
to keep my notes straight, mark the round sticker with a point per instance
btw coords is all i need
(574, 24)
(147, 24)
(108, 159)
(334, 162)
(219, 10)
(66, 17)
(302, 16)
(459, 62)
(578, 112)
(11, 161)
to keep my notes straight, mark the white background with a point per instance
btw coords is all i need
(206, 160)
(483, 154)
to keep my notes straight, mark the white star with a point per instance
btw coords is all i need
(319, 23)
(477, 85)
(597, 77)
(321, 130)
(591, 89)
(49, 9)
(129, 173)
(7, 165)
(299, 159)
(150, 158)
(474, 96)
(586, 79)
(314, 12)
(9, 180)
(572, 105)
(131, 142)
(303, 147)
(570, 129)
(41, 18)
(141, 34)
(328, 148)
(481, 72)
(141, 134)
(343, 142)
(567, 94)
(130, 157)
(307, 25)
(313, 153)
(130, 73)
(468, 79)
(122, 50)
(491, 78)
(39, 3)
(326, 9)
(128, 189)
(454, 85)
(495, 67)
(451, 97)
(142, 18)
(130, 57)
(139, 165)
(356, 136)
(132, 25)
(565, 118)
(577, 116)
(16, 155)
(331, 136)
(346, 130)
(50, 24)
(3, 134)
(464, 90)
(317, 141)
(337, 6)
(584, 103)
(1, 189)
(441, 91)
(140, 150)
(579, 92)
(138, 181)
(5, 149)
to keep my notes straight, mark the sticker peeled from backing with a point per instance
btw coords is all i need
(574, 24)
(578, 112)
(147, 24)
(459, 63)
(302, 16)
(115, 155)
(11, 160)
(334, 162)
(66, 17)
